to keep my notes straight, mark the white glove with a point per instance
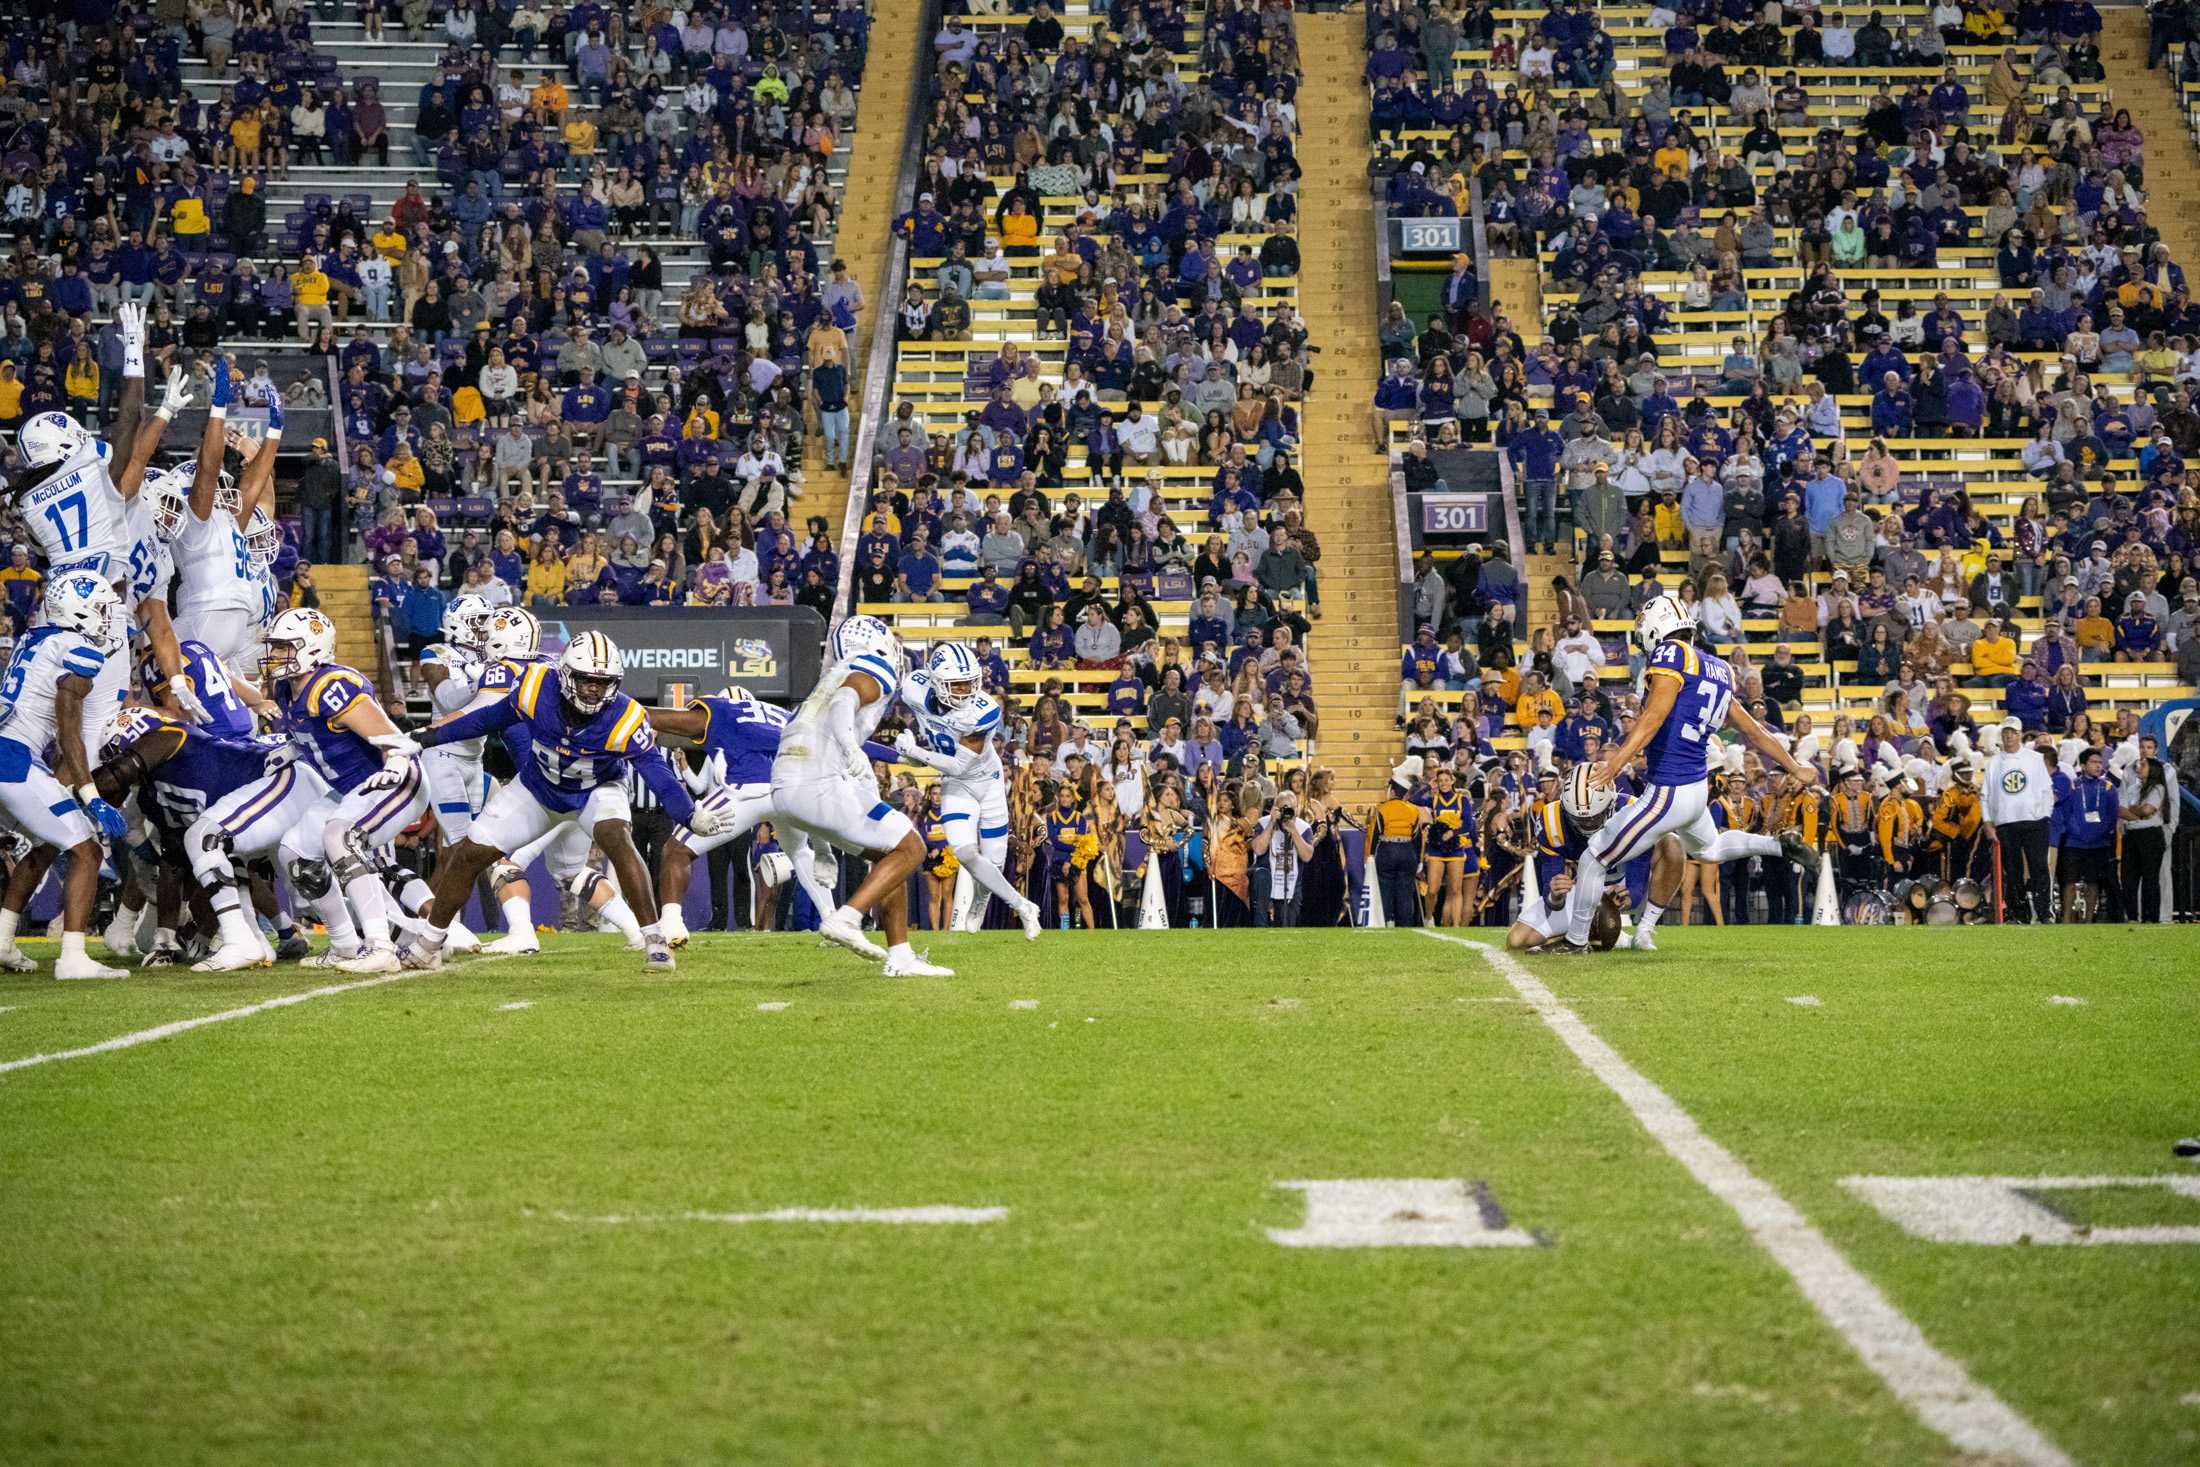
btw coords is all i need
(906, 745)
(711, 815)
(177, 394)
(130, 316)
(187, 699)
(392, 774)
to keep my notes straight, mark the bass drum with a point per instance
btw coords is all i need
(1868, 908)
(1971, 900)
(1942, 912)
(1903, 916)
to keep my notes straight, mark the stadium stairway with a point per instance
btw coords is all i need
(865, 228)
(1516, 292)
(1355, 647)
(344, 601)
(2172, 167)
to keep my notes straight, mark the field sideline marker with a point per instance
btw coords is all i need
(1933, 1385)
(185, 1026)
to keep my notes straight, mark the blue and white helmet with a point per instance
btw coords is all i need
(955, 673)
(227, 498)
(85, 604)
(864, 638)
(263, 538)
(167, 492)
(50, 438)
(465, 620)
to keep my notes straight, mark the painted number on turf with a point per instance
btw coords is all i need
(1394, 1212)
(2000, 1211)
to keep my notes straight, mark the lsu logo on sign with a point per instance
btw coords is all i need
(753, 658)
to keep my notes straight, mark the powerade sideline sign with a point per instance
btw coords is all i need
(773, 651)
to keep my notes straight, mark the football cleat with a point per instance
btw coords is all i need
(419, 957)
(847, 932)
(673, 923)
(2189, 1147)
(68, 969)
(1032, 924)
(231, 957)
(1564, 948)
(657, 958)
(15, 960)
(331, 955)
(514, 945)
(1637, 941)
(1800, 851)
(165, 956)
(293, 948)
(914, 966)
(461, 939)
(381, 958)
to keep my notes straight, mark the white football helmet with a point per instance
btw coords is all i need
(86, 605)
(511, 631)
(226, 496)
(263, 538)
(168, 492)
(860, 636)
(589, 672)
(50, 438)
(956, 676)
(1660, 620)
(466, 621)
(1587, 806)
(299, 641)
(773, 868)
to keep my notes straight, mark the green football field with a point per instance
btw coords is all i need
(776, 1208)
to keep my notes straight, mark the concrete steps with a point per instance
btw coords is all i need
(1355, 647)
(344, 601)
(866, 222)
(2172, 166)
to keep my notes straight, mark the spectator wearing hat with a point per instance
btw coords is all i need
(2138, 634)
(1396, 825)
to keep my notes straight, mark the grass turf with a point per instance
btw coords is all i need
(328, 1233)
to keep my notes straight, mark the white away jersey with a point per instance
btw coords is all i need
(75, 515)
(942, 730)
(807, 745)
(463, 668)
(151, 567)
(33, 677)
(216, 568)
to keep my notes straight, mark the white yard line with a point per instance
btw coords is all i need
(935, 1215)
(1932, 1384)
(185, 1026)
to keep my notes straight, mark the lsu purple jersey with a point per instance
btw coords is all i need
(225, 714)
(747, 734)
(342, 758)
(564, 763)
(1676, 752)
(205, 767)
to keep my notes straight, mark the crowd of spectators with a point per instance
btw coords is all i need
(1874, 569)
(1173, 354)
(504, 339)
